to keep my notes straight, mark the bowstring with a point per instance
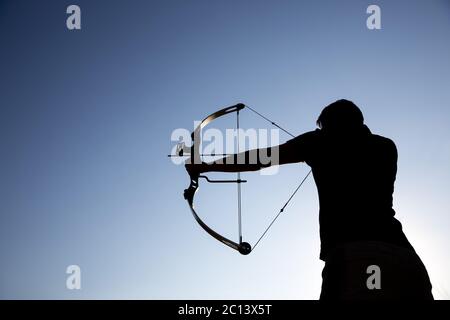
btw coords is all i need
(239, 184)
(281, 210)
(295, 191)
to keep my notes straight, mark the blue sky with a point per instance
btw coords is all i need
(87, 115)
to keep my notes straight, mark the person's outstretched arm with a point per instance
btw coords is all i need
(292, 151)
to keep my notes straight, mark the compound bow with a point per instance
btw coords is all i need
(195, 155)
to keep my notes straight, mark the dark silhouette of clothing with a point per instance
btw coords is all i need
(355, 172)
(402, 274)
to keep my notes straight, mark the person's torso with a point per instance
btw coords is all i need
(355, 177)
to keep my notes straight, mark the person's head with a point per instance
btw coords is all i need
(341, 115)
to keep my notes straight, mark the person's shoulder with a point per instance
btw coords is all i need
(384, 142)
(382, 139)
(309, 136)
(312, 134)
(304, 139)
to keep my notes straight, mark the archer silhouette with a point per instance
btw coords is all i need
(354, 171)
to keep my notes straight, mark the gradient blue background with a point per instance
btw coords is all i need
(86, 119)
